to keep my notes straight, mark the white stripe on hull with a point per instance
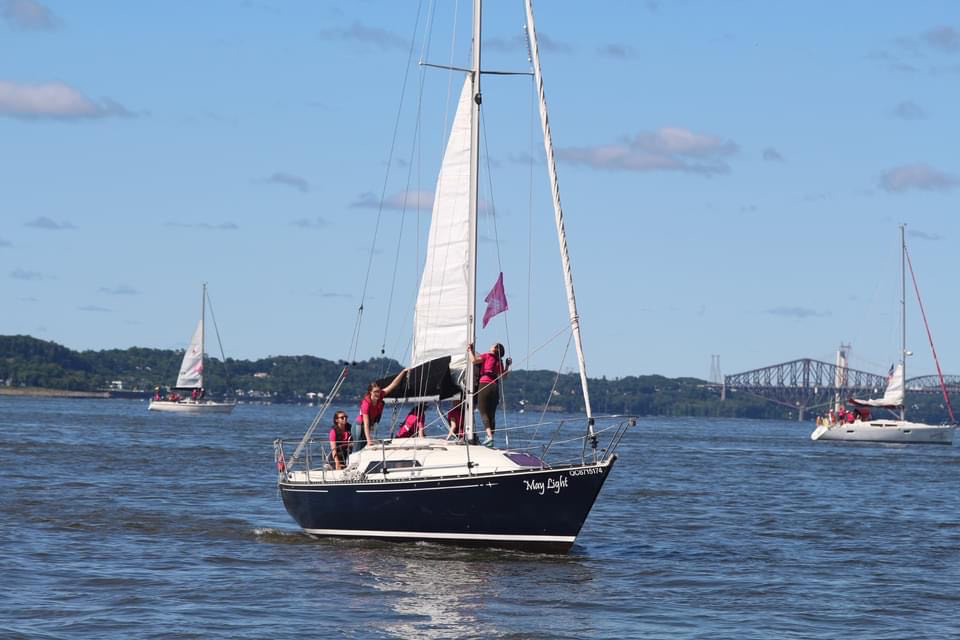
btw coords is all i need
(369, 533)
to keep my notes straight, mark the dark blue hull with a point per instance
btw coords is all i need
(541, 510)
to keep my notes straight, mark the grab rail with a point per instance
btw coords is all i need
(556, 451)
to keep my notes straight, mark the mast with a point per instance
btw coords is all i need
(558, 213)
(203, 315)
(468, 422)
(903, 319)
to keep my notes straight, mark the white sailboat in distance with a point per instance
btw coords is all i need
(188, 396)
(856, 425)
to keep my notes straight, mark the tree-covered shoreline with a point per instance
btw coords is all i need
(26, 361)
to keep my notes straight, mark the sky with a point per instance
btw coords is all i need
(733, 176)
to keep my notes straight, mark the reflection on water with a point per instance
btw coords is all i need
(437, 597)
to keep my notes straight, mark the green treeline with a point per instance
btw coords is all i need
(29, 362)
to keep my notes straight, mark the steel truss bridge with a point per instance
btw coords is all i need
(811, 384)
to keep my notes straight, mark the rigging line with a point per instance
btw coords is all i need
(543, 345)
(533, 114)
(386, 178)
(943, 386)
(556, 381)
(414, 153)
(355, 338)
(316, 420)
(216, 330)
(396, 256)
(493, 216)
(411, 344)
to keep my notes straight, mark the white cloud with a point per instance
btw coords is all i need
(621, 51)
(908, 110)
(23, 274)
(53, 101)
(942, 38)
(308, 223)
(797, 312)
(400, 200)
(666, 149)
(519, 43)
(332, 295)
(357, 32)
(917, 176)
(28, 14)
(289, 180)
(772, 155)
(923, 235)
(223, 226)
(120, 290)
(43, 222)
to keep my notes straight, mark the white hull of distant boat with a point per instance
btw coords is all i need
(899, 431)
(863, 429)
(190, 378)
(191, 406)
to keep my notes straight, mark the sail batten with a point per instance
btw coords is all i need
(440, 326)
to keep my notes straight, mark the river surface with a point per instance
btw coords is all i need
(119, 523)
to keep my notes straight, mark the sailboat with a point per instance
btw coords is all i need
(188, 395)
(434, 489)
(857, 425)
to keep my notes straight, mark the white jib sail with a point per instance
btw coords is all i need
(893, 396)
(191, 369)
(440, 324)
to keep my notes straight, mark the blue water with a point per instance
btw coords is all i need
(121, 523)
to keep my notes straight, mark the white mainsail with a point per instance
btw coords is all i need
(191, 369)
(893, 396)
(840, 378)
(440, 324)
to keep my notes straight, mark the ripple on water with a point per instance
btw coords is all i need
(126, 524)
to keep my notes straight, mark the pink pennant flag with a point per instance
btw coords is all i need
(496, 301)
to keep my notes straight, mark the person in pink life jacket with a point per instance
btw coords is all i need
(492, 370)
(371, 409)
(339, 440)
(455, 419)
(413, 424)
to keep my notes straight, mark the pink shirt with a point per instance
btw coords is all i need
(372, 411)
(455, 416)
(490, 368)
(340, 438)
(411, 426)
